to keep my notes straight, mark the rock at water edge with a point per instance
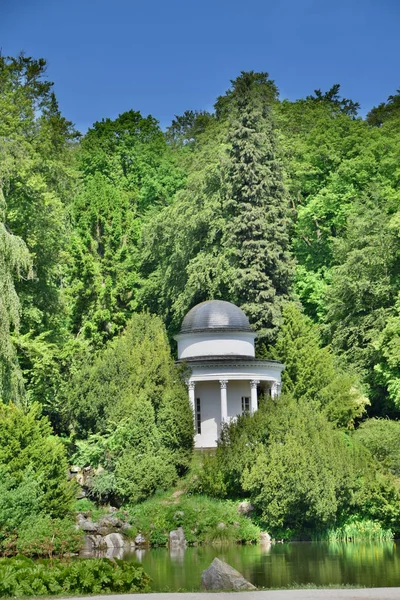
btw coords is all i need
(245, 508)
(114, 540)
(221, 576)
(177, 538)
(265, 539)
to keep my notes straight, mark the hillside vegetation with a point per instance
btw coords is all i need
(291, 210)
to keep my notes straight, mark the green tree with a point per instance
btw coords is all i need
(306, 476)
(134, 368)
(257, 208)
(390, 109)
(27, 447)
(103, 259)
(363, 290)
(183, 260)
(14, 261)
(37, 181)
(312, 372)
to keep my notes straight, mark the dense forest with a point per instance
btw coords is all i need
(289, 209)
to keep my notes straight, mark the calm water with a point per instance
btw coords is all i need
(280, 565)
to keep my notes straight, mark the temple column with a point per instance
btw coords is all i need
(254, 400)
(224, 400)
(192, 386)
(275, 389)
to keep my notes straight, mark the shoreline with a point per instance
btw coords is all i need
(392, 593)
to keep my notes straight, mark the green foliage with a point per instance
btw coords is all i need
(33, 461)
(14, 261)
(364, 285)
(382, 438)
(37, 180)
(103, 259)
(312, 372)
(137, 365)
(43, 536)
(256, 207)
(307, 473)
(385, 111)
(302, 475)
(183, 261)
(132, 398)
(135, 462)
(223, 238)
(203, 519)
(20, 498)
(22, 576)
(387, 345)
(222, 473)
(359, 531)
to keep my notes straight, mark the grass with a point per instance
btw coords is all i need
(203, 519)
(87, 506)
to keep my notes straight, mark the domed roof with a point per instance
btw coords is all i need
(216, 315)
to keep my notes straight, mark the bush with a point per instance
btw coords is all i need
(43, 536)
(306, 474)
(22, 576)
(136, 365)
(19, 499)
(382, 438)
(133, 458)
(302, 474)
(33, 469)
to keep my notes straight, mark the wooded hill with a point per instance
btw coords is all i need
(290, 210)
(260, 202)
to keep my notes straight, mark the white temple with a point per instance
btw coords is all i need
(217, 343)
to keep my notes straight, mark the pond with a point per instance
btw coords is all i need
(279, 565)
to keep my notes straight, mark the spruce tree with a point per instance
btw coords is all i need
(257, 207)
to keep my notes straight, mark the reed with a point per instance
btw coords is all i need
(364, 530)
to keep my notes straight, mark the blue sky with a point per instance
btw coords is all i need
(165, 56)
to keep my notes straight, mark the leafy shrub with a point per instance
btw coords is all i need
(302, 474)
(19, 499)
(21, 576)
(134, 460)
(382, 438)
(135, 366)
(43, 536)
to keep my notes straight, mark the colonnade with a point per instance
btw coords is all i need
(224, 395)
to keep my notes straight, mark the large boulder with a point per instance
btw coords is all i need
(89, 526)
(114, 540)
(245, 508)
(221, 576)
(265, 539)
(177, 538)
(140, 540)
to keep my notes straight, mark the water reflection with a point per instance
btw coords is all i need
(278, 565)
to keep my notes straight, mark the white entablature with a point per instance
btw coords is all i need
(217, 343)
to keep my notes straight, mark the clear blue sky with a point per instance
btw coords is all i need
(165, 56)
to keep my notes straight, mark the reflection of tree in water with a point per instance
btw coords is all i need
(280, 565)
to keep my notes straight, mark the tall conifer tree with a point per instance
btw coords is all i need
(258, 214)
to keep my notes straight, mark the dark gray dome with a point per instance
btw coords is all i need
(216, 315)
